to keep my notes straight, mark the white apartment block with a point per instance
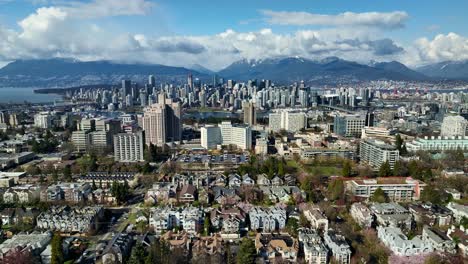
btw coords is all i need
(43, 120)
(128, 147)
(166, 218)
(210, 136)
(438, 144)
(349, 125)
(287, 120)
(454, 126)
(316, 218)
(154, 124)
(376, 152)
(361, 214)
(398, 189)
(226, 134)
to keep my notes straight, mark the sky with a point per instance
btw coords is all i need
(216, 33)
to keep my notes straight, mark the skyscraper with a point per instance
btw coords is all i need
(152, 81)
(453, 126)
(126, 88)
(250, 116)
(162, 123)
(128, 147)
(190, 81)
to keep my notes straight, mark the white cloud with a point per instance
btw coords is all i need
(389, 20)
(443, 47)
(70, 30)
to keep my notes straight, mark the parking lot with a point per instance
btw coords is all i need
(203, 158)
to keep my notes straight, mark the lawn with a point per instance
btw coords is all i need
(322, 170)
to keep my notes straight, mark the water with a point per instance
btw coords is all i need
(19, 95)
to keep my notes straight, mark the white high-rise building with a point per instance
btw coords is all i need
(226, 134)
(128, 147)
(289, 121)
(375, 152)
(154, 124)
(210, 136)
(43, 120)
(453, 126)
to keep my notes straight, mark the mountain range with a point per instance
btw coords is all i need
(69, 72)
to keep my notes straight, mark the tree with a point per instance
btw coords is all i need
(67, 174)
(247, 253)
(433, 195)
(57, 249)
(379, 196)
(400, 144)
(292, 225)
(281, 168)
(385, 170)
(207, 226)
(347, 169)
(399, 169)
(138, 254)
(335, 189)
(33, 170)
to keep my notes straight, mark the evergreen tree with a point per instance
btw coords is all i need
(335, 189)
(379, 196)
(385, 170)
(347, 169)
(207, 226)
(67, 174)
(247, 253)
(138, 254)
(57, 250)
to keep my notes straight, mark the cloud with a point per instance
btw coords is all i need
(391, 20)
(443, 47)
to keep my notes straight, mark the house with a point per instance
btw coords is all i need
(116, 250)
(161, 192)
(262, 180)
(431, 214)
(338, 246)
(269, 246)
(34, 243)
(22, 194)
(391, 214)
(316, 218)
(459, 211)
(166, 218)
(315, 251)
(188, 194)
(225, 196)
(179, 240)
(277, 181)
(235, 180)
(247, 181)
(14, 216)
(229, 221)
(68, 219)
(456, 195)
(460, 235)
(68, 192)
(267, 219)
(282, 193)
(361, 214)
(438, 240)
(399, 244)
(209, 245)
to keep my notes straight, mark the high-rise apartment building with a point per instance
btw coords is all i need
(287, 120)
(250, 115)
(126, 88)
(226, 134)
(128, 147)
(43, 120)
(349, 125)
(376, 152)
(162, 123)
(453, 126)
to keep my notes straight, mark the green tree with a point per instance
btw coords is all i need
(247, 253)
(207, 226)
(400, 144)
(347, 169)
(57, 249)
(335, 189)
(399, 169)
(292, 226)
(67, 174)
(138, 254)
(433, 195)
(385, 170)
(281, 168)
(379, 196)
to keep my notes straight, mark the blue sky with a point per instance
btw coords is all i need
(216, 33)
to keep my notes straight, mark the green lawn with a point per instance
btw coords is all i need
(322, 170)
